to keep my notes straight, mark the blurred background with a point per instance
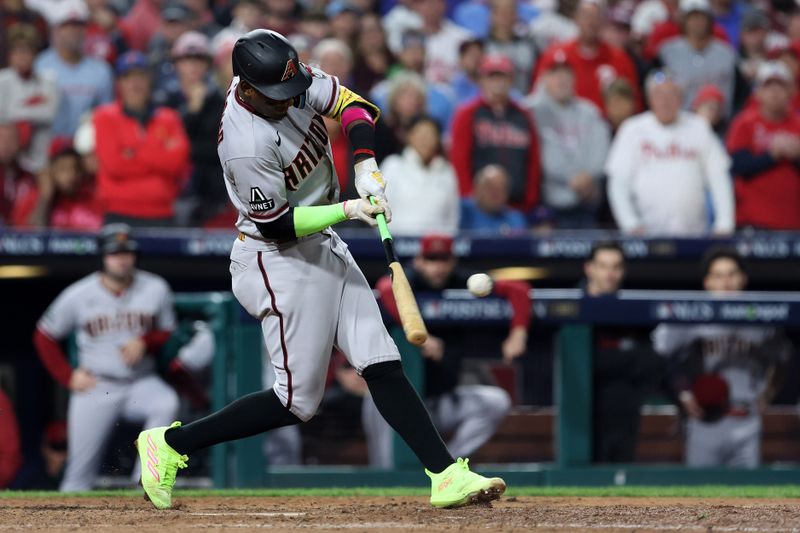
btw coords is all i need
(627, 172)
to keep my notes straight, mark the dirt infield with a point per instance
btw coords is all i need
(395, 513)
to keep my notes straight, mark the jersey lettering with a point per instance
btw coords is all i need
(308, 157)
(123, 321)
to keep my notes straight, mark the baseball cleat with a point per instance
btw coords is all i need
(457, 486)
(160, 464)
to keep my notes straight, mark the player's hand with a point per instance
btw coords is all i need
(690, 405)
(515, 344)
(583, 185)
(81, 380)
(133, 352)
(369, 179)
(433, 348)
(364, 211)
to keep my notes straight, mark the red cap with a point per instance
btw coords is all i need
(436, 245)
(557, 59)
(496, 64)
(708, 93)
(59, 145)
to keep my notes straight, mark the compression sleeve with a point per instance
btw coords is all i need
(311, 219)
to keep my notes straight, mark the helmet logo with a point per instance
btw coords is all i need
(290, 72)
(121, 237)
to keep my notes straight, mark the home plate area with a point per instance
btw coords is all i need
(127, 513)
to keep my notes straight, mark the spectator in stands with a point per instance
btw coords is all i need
(104, 38)
(13, 12)
(554, 26)
(142, 151)
(664, 30)
(487, 210)
(465, 81)
(400, 19)
(765, 146)
(344, 18)
(411, 58)
(421, 184)
(660, 165)
(27, 99)
(730, 14)
(334, 57)
(494, 129)
(753, 43)
(625, 368)
(509, 38)
(10, 447)
(202, 19)
(596, 64)
(64, 198)
(373, 58)
(574, 141)
(406, 100)
(141, 23)
(83, 82)
(442, 39)
(200, 106)
(709, 104)
(177, 20)
(472, 412)
(698, 58)
(223, 65)
(725, 374)
(15, 182)
(619, 101)
(247, 16)
(314, 24)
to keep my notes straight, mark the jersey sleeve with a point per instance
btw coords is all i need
(60, 318)
(165, 321)
(329, 98)
(257, 187)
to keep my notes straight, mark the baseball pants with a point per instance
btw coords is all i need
(731, 441)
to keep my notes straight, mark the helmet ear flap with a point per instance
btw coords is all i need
(299, 101)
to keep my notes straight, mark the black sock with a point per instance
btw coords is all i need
(249, 415)
(402, 408)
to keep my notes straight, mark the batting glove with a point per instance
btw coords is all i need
(364, 211)
(369, 179)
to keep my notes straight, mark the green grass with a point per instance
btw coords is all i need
(704, 491)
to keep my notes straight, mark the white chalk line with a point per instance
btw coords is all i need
(665, 527)
(228, 513)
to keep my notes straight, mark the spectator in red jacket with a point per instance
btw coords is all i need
(596, 64)
(15, 182)
(64, 196)
(142, 151)
(493, 129)
(765, 147)
(10, 450)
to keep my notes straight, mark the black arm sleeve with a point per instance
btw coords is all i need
(281, 229)
(747, 164)
(362, 137)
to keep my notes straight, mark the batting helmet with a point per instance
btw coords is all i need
(268, 62)
(116, 238)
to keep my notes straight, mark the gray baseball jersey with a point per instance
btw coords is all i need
(272, 165)
(309, 294)
(105, 322)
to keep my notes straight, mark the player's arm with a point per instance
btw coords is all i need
(517, 294)
(54, 326)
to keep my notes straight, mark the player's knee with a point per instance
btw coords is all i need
(498, 402)
(378, 372)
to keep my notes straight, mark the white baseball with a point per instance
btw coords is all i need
(479, 285)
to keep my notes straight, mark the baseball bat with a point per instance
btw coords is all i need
(410, 317)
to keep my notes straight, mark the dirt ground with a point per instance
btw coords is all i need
(378, 514)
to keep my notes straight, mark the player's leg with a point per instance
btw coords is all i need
(744, 442)
(90, 418)
(380, 437)
(476, 411)
(703, 443)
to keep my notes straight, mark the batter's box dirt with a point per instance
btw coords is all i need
(538, 514)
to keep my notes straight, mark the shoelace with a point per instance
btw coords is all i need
(463, 463)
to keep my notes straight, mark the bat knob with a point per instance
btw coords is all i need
(417, 338)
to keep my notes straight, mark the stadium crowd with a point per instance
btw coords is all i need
(655, 116)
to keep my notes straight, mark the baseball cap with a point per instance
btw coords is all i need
(773, 71)
(191, 44)
(555, 60)
(436, 246)
(708, 93)
(115, 238)
(132, 60)
(412, 38)
(337, 7)
(622, 13)
(691, 6)
(67, 11)
(754, 19)
(496, 64)
(175, 12)
(24, 34)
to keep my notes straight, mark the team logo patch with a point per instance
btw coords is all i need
(290, 72)
(258, 202)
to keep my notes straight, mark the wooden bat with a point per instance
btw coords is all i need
(410, 317)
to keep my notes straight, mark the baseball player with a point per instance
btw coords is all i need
(726, 374)
(121, 316)
(294, 273)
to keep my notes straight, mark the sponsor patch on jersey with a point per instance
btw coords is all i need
(290, 71)
(258, 202)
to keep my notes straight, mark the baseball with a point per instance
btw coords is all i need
(479, 285)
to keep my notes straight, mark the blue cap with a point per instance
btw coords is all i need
(131, 61)
(340, 6)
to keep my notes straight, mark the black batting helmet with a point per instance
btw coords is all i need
(268, 62)
(116, 238)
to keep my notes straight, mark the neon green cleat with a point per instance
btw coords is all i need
(160, 464)
(457, 486)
